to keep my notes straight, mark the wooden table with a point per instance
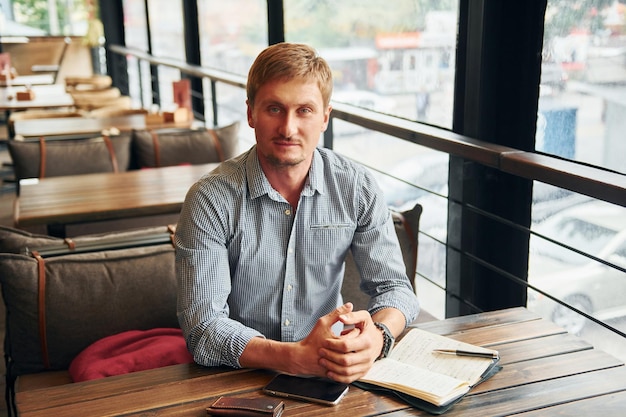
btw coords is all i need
(546, 371)
(77, 126)
(46, 96)
(58, 201)
(34, 79)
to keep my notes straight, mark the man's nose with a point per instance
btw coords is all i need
(288, 127)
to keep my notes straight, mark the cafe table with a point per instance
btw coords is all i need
(76, 126)
(28, 80)
(545, 372)
(76, 199)
(45, 96)
(69, 127)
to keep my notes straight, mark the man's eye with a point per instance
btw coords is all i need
(274, 110)
(306, 110)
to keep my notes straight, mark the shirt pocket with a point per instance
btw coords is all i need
(329, 243)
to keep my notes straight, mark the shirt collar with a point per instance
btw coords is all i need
(315, 180)
(259, 185)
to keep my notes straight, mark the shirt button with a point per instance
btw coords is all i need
(289, 287)
(287, 322)
(287, 212)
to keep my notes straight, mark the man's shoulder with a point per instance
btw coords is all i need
(230, 173)
(337, 162)
(339, 169)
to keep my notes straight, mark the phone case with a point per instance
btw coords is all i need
(312, 389)
(246, 407)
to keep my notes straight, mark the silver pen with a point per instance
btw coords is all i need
(457, 352)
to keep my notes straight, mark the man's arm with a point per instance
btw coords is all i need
(203, 280)
(378, 256)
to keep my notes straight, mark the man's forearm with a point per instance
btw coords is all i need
(393, 319)
(270, 354)
(297, 358)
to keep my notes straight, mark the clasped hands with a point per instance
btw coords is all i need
(345, 357)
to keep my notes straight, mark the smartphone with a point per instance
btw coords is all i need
(314, 389)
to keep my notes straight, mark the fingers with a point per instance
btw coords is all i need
(348, 356)
(324, 346)
(342, 310)
(348, 317)
(333, 317)
(350, 332)
(345, 367)
(359, 319)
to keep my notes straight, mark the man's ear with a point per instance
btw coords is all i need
(326, 118)
(249, 113)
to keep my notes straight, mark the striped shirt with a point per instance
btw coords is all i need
(248, 265)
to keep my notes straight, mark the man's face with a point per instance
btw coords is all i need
(288, 117)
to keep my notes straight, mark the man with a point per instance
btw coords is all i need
(261, 240)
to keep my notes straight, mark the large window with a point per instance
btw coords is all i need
(232, 33)
(167, 39)
(135, 24)
(165, 19)
(582, 110)
(136, 36)
(397, 60)
(231, 36)
(41, 18)
(578, 252)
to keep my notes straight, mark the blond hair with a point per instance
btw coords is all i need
(289, 61)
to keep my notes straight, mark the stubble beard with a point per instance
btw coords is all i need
(284, 163)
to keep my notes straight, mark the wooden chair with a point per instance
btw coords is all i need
(38, 55)
(90, 100)
(56, 67)
(93, 83)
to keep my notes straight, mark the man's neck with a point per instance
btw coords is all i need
(288, 180)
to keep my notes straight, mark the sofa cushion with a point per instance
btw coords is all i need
(69, 156)
(88, 296)
(166, 147)
(131, 351)
(14, 240)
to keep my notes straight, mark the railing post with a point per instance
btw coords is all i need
(214, 101)
(329, 135)
(140, 82)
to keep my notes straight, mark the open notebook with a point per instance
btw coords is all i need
(427, 379)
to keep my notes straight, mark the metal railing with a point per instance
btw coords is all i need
(592, 181)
